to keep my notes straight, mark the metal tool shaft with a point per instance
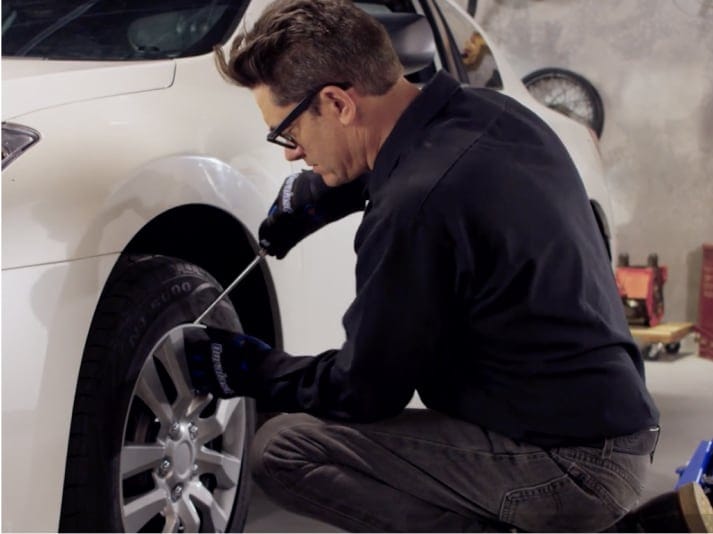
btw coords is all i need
(260, 255)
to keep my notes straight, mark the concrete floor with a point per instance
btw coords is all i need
(682, 386)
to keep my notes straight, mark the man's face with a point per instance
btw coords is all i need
(322, 139)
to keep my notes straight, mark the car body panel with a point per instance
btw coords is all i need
(45, 310)
(25, 82)
(84, 193)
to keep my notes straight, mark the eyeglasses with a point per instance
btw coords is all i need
(277, 135)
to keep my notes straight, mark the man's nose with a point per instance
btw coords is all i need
(293, 154)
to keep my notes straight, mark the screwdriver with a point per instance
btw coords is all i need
(260, 255)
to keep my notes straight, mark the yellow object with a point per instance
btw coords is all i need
(474, 50)
(662, 333)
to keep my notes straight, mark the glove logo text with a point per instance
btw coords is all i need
(287, 192)
(216, 350)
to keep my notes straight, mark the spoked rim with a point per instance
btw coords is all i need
(568, 93)
(182, 454)
(560, 93)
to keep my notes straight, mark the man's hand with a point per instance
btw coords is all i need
(221, 362)
(303, 205)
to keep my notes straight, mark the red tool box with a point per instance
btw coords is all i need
(641, 290)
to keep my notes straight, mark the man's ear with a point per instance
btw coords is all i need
(339, 103)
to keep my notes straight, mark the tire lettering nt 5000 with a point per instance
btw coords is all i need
(176, 290)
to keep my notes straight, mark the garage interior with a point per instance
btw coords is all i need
(652, 64)
(105, 430)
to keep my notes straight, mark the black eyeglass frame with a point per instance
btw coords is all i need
(284, 140)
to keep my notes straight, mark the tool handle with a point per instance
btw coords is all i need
(260, 255)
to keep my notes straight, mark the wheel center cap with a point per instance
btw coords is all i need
(183, 459)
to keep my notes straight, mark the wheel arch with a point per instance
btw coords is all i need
(219, 243)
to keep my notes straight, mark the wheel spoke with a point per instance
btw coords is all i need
(214, 517)
(140, 511)
(225, 467)
(212, 427)
(172, 523)
(150, 390)
(189, 515)
(171, 355)
(560, 96)
(138, 458)
(565, 95)
(197, 404)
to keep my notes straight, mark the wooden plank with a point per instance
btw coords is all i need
(662, 333)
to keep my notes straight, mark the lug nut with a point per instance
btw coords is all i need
(164, 467)
(175, 431)
(193, 431)
(177, 492)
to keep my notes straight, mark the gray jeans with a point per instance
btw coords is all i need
(425, 472)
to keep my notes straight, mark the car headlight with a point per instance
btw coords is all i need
(15, 140)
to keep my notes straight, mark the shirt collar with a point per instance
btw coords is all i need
(433, 97)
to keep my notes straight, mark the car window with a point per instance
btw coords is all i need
(473, 51)
(116, 29)
(401, 6)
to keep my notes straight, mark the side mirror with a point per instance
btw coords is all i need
(412, 38)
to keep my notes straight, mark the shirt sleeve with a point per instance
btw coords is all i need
(393, 327)
(337, 202)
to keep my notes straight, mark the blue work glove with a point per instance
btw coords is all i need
(221, 362)
(303, 205)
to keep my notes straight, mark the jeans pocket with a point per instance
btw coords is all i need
(618, 481)
(559, 505)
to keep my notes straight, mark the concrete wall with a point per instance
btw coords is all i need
(652, 63)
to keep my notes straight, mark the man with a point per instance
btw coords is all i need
(482, 283)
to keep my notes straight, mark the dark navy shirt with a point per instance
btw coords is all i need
(483, 282)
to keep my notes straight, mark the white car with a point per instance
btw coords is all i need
(134, 180)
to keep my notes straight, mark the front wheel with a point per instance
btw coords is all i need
(146, 454)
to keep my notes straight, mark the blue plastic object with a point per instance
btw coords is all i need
(699, 468)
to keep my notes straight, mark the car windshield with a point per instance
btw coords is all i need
(116, 29)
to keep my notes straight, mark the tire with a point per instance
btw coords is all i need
(569, 93)
(138, 431)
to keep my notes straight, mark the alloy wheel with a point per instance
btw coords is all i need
(182, 453)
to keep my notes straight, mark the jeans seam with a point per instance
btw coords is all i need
(495, 455)
(589, 483)
(482, 515)
(608, 465)
(596, 488)
(514, 497)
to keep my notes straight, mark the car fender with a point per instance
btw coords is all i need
(170, 182)
(100, 213)
(54, 302)
(47, 308)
